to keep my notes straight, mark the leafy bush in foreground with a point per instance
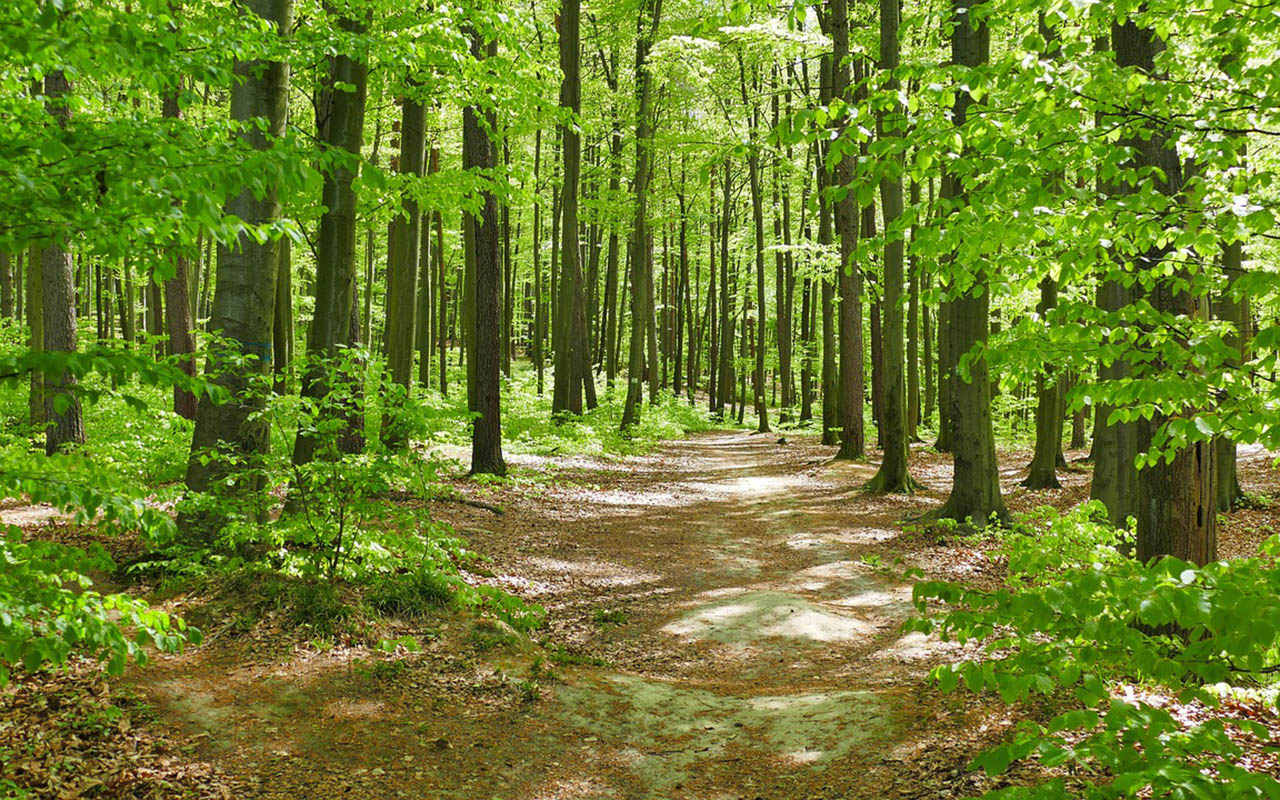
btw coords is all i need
(1087, 624)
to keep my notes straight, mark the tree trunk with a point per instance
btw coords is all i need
(852, 381)
(893, 475)
(243, 301)
(177, 301)
(913, 335)
(726, 296)
(566, 393)
(486, 366)
(35, 323)
(641, 266)
(402, 271)
(6, 287)
(753, 163)
(975, 493)
(539, 322)
(611, 326)
(64, 421)
(340, 117)
(1042, 473)
(1177, 501)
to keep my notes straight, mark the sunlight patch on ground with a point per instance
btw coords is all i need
(671, 733)
(619, 497)
(899, 598)
(30, 515)
(914, 647)
(595, 573)
(756, 615)
(356, 709)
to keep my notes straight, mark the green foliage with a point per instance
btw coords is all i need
(609, 616)
(1080, 618)
(1043, 543)
(48, 612)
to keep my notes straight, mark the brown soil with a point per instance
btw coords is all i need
(724, 623)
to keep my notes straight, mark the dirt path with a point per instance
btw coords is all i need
(724, 624)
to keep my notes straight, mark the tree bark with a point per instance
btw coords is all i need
(340, 123)
(243, 300)
(852, 380)
(402, 272)
(566, 396)
(975, 494)
(63, 418)
(485, 364)
(893, 475)
(1177, 500)
(1043, 473)
(641, 258)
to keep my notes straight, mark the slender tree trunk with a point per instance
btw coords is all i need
(442, 289)
(340, 116)
(893, 475)
(35, 323)
(757, 220)
(244, 297)
(1042, 473)
(641, 266)
(913, 335)
(427, 288)
(611, 326)
(6, 288)
(64, 421)
(402, 270)
(282, 328)
(852, 383)
(539, 322)
(726, 296)
(177, 297)
(571, 316)
(975, 493)
(714, 403)
(485, 364)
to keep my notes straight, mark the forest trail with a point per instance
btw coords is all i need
(733, 623)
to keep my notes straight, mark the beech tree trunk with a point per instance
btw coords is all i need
(641, 252)
(571, 321)
(893, 475)
(852, 380)
(1177, 501)
(243, 300)
(486, 362)
(340, 115)
(1043, 473)
(975, 494)
(64, 421)
(402, 271)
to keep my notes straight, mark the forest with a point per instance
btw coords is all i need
(632, 399)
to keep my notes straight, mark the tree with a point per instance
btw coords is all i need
(572, 368)
(975, 492)
(63, 419)
(852, 385)
(641, 252)
(486, 362)
(403, 269)
(1177, 502)
(893, 475)
(230, 437)
(340, 123)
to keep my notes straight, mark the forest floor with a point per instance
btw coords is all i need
(724, 623)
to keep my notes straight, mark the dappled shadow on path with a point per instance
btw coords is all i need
(725, 622)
